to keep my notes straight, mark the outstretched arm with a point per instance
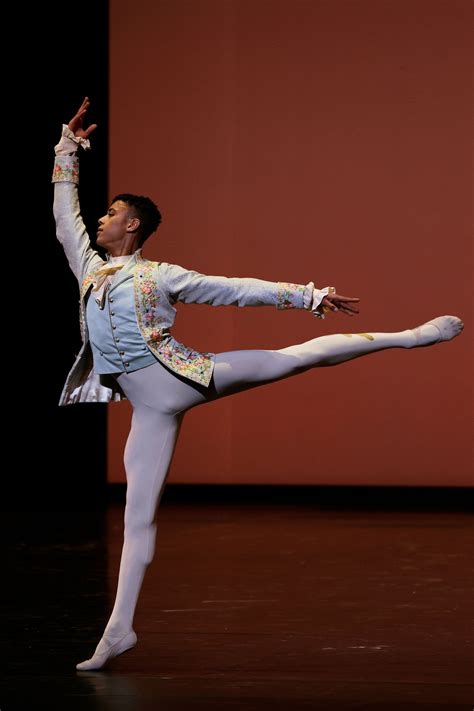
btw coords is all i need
(70, 228)
(190, 286)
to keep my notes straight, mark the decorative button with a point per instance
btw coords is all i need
(114, 326)
(112, 313)
(127, 364)
(122, 352)
(111, 300)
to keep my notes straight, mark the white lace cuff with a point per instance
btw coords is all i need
(308, 295)
(69, 143)
(312, 298)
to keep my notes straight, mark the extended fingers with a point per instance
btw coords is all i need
(339, 297)
(351, 307)
(346, 303)
(346, 308)
(89, 130)
(83, 108)
(85, 104)
(347, 311)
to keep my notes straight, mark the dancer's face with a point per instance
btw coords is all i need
(116, 226)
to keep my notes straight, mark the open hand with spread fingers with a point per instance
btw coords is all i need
(76, 124)
(337, 302)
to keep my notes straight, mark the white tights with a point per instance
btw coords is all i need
(160, 399)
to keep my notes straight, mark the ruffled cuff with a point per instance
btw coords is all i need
(313, 297)
(308, 295)
(69, 143)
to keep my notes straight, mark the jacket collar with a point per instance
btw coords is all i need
(127, 270)
(135, 259)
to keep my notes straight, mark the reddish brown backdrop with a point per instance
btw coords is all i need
(301, 140)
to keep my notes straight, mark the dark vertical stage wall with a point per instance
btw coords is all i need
(57, 455)
(298, 140)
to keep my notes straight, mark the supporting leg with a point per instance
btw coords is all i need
(148, 454)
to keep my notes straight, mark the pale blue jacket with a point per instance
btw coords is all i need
(157, 286)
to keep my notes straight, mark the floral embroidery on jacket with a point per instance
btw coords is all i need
(89, 279)
(67, 171)
(290, 296)
(186, 361)
(178, 357)
(147, 300)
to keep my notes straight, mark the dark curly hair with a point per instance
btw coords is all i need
(146, 211)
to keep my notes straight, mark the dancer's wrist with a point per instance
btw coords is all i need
(69, 143)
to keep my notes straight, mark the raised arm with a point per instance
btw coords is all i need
(70, 229)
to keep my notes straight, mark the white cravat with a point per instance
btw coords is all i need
(105, 277)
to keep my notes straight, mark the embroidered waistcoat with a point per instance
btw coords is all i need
(157, 286)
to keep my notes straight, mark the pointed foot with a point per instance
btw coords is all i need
(108, 649)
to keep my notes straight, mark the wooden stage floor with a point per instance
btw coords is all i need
(246, 605)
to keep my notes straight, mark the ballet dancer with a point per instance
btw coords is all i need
(126, 312)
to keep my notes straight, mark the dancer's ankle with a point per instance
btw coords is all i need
(116, 630)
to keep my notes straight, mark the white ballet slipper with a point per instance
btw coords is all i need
(99, 658)
(448, 327)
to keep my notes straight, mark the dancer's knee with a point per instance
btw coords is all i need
(302, 356)
(140, 534)
(279, 364)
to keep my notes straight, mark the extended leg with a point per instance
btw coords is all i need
(240, 370)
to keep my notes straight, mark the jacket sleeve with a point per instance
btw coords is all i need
(70, 229)
(190, 287)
